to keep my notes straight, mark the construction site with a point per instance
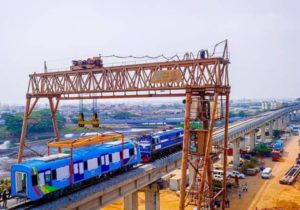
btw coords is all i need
(207, 159)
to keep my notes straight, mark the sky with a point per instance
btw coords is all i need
(263, 36)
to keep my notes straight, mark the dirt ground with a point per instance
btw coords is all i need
(269, 194)
(262, 194)
(169, 200)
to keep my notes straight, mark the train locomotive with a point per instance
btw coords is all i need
(160, 144)
(45, 176)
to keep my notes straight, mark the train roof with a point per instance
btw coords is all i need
(168, 131)
(79, 153)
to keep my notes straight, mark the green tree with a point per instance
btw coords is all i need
(123, 115)
(39, 121)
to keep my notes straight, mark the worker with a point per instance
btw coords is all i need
(0, 197)
(240, 194)
(4, 197)
(227, 203)
(246, 187)
(236, 179)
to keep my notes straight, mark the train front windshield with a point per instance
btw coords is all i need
(21, 183)
(146, 138)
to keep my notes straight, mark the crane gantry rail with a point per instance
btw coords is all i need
(205, 78)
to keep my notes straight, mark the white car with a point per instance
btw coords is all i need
(266, 173)
(218, 177)
(233, 174)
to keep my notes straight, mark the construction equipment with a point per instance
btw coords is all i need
(292, 173)
(90, 63)
(95, 122)
(202, 75)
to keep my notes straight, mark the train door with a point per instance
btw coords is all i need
(104, 163)
(48, 177)
(78, 171)
(21, 183)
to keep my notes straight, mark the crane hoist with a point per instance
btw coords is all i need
(95, 122)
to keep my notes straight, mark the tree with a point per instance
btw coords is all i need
(123, 115)
(242, 114)
(39, 121)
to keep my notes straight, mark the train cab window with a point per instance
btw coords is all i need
(34, 180)
(21, 183)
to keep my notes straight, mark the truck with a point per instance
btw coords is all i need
(276, 155)
(294, 130)
(278, 145)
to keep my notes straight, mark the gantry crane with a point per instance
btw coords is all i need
(202, 79)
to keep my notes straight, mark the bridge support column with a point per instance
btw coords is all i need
(287, 118)
(131, 201)
(243, 142)
(271, 129)
(252, 140)
(152, 197)
(276, 124)
(236, 152)
(263, 133)
(280, 127)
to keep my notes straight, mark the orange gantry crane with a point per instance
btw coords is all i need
(202, 79)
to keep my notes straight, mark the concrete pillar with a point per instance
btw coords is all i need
(280, 123)
(271, 128)
(236, 151)
(131, 201)
(222, 158)
(288, 119)
(252, 135)
(263, 133)
(152, 197)
(276, 125)
(243, 142)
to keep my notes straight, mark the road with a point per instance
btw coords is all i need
(269, 194)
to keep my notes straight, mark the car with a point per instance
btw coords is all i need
(233, 174)
(266, 173)
(218, 177)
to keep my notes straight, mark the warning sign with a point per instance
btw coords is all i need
(166, 76)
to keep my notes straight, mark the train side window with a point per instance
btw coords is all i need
(121, 155)
(92, 164)
(110, 158)
(99, 161)
(131, 152)
(85, 165)
(34, 180)
(54, 174)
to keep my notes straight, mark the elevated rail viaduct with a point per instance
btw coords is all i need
(144, 177)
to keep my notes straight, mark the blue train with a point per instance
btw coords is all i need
(49, 175)
(159, 144)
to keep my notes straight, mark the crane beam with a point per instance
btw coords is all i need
(169, 78)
